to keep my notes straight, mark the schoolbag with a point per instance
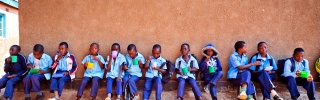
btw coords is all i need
(169, 71)
(281, 63)
(318, 65)
(258, 66)
(191, 65)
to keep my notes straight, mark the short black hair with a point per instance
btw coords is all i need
(64, 43)
(297, 50)
(38, 48)
(94, 43)
(238, 45)
(16, 46)
(116, 44)
(132, 47)
(186, 45)
(260, 43)
(156, 46)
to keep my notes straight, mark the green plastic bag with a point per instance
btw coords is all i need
(318, 65)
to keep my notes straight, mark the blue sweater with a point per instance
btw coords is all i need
(205, 70)
(19, 67)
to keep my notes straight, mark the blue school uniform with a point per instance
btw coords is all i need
(33, 80)
(211, 78)
(57, 83)
(19, 68)
(236, 76)
(133, 74)
(114, 72)
(190, 78)
(94, 74)
(292, 81)
(153, 77)
(263, 77)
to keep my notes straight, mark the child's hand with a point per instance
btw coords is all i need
(110, 58)
(11, 76)
(65, 73)
(149, 59)
(59, 57)
(125, 67)
(189, 69)
(95, 58)
(41, 72)
(310, 78)
(155, 68)
(140, 62)
(180, 73)
(29, 66)
(207, 59)
(298, 73)
(9, 59)
(256, 63)
(119, 79)
(85, 65)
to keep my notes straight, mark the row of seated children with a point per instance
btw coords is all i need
(123, 69)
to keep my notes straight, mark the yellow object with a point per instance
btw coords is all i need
(90, 65)
(318, 65)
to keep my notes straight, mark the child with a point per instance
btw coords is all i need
(292, 78)
(114, 68)
(40, 61)
(264, 76)
(135, 62)
(238, 73)
(93, 72)
(153, 74)
(15, 68)
(210, 59)
(183, 63)
(64, 66)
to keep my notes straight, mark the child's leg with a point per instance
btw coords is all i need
(195, 88)
(246, 82)
(35, 80)
(3, 81)
(82, 86)
(109, 86)
(94, 88)
(118, 88)
(158, 87)
(147, 88)
(8, 92)
(62, 82)
(266, 84)
(125, 81)
(292, 86)
(132, 84)
(27, 85)
(181, 85)
(309, 86)
(213, 91)
(216, 77)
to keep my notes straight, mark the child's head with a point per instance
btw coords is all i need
(132, 50)
(63, 48)
(38, 50)
(156, 50)
(185, 48)
(14, 50)
(240, 46)
(209, 50)
(94, 48)
(298, 54)
(262, 48)
(115, 47)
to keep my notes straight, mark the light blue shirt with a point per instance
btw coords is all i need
(63, 64)
(299, 66)
(154, 73)
(96, 71)
(45, 63)
(236, 60)
(186, 64)
(265, 62)
(134, 69)
(115, 66)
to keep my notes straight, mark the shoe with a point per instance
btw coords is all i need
(40, 97)
(137, 97)
(206, 88)
(107, 98)
(277, 97)
(53, 98)
(294, 98)
(27, 98)
(242, 95)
